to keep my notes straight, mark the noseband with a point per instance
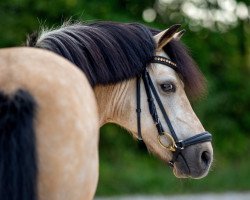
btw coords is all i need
(173, 143)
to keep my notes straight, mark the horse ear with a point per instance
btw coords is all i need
(179, 34)
(166, 36)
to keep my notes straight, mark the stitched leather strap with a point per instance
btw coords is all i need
(163, 111)
(138, 105)
(200, 138)
(151, 105)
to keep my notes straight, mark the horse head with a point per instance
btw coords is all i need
(170, 83)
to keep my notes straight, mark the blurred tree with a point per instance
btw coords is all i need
(219, 38)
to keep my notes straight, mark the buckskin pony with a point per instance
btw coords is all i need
(56, 93)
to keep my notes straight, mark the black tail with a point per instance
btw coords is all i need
(18, 163)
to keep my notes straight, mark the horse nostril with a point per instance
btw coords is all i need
(206, 158)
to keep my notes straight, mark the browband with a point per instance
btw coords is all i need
(164, 61)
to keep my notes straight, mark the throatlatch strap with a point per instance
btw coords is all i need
(138, 105)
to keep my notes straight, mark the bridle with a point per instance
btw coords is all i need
(174, 144)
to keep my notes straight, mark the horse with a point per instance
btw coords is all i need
(133, 75)
(48, 136)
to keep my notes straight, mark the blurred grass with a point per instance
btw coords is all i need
(126, 168)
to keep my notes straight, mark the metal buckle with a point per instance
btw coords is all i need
(171, 146)
(180, 142)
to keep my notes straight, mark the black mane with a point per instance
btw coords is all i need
(109, 52)
(106, 52)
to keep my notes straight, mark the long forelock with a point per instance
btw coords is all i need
(194, 81)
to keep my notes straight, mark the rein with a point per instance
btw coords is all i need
(167, 140)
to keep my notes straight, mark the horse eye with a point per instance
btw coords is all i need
(168, 87)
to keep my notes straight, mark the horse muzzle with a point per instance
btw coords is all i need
(194, 161)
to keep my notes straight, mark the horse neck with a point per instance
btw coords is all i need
(111, 100)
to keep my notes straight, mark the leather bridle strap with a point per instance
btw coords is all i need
(175, 145)
(171, 129)
(138, 106)
(151, 105)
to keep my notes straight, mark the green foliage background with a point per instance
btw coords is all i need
(224, 58)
